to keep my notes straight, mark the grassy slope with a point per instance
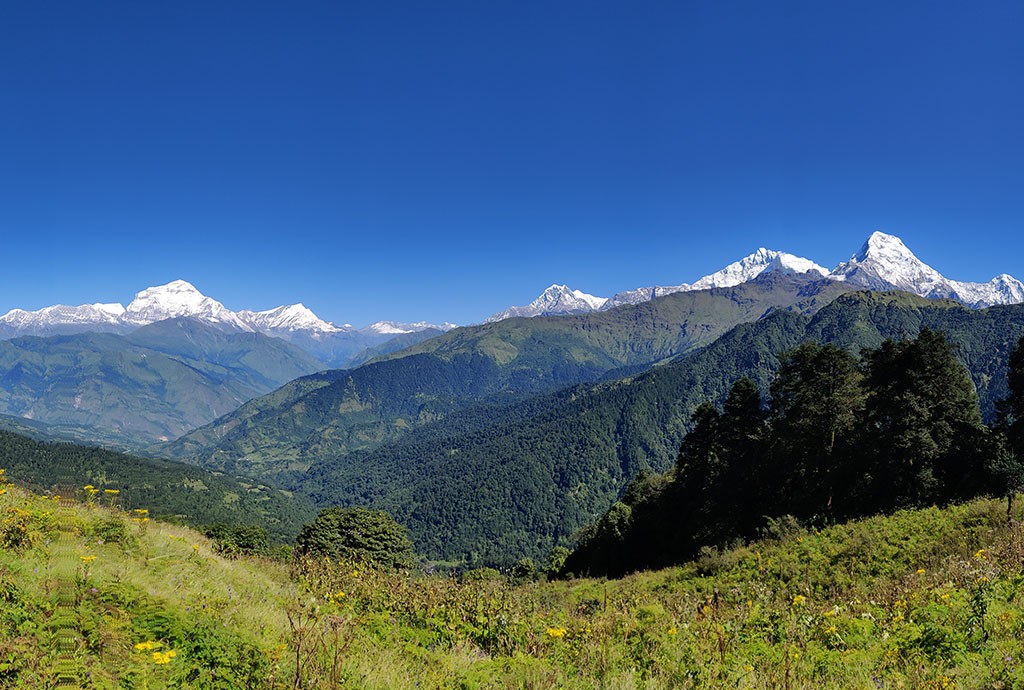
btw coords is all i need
(923, 599)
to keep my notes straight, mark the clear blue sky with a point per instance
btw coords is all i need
(443, 160)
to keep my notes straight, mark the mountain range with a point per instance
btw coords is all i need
(486, 440)
(883, 263)
(331, 344)
(155, 383)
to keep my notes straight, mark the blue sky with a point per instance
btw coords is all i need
(441, 161)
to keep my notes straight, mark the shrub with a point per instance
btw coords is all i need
(357, 534)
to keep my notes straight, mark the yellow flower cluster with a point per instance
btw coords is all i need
(556, 633)
(147, 646)
(799, 599)
(88, 559)
(164, 657)
(980, 554)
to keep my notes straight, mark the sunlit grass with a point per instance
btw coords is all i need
(98, 597)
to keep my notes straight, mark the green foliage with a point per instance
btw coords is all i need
(239, 540)
(922, 424)
(356, 534)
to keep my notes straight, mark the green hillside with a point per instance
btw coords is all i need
(151, 385)
(168, 489)
(492, 484)
(923, 599)
(334, 414)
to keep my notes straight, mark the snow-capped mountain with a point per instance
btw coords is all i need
(883, 263)
(179, 298)
(61, 318)
(556, 300)
(292, 317)
(742, 271)
(397, 328)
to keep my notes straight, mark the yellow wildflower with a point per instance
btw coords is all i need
(163, 657)
(112, 492)
(146, 646)
(799, 599)
(88, 559)
(672, 630)
(88, 487)
(920, 571)
(980, 554)
(141, 511)
(556, 632)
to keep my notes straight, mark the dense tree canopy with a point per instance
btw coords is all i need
(838, 439)
(356, 534)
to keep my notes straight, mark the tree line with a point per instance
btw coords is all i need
(838, 438)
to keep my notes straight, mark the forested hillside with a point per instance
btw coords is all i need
(167, 489)
(836, 439)
(331, 415)
(494, 483)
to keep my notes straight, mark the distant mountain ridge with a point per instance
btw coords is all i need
(181, 298)
(883, 263)
(333, 345)
(152, 384)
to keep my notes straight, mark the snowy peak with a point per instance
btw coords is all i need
(179, 298)
(555, 300)
(292, 317)
(736, 273)
(749, 267)
(882, 247)
(886, 263)
(61, 317)
(396, 328)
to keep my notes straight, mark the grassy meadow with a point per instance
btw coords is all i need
(92, 596)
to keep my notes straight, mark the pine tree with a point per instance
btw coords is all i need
(1007, 467)
(816, 404)
(923, 428)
